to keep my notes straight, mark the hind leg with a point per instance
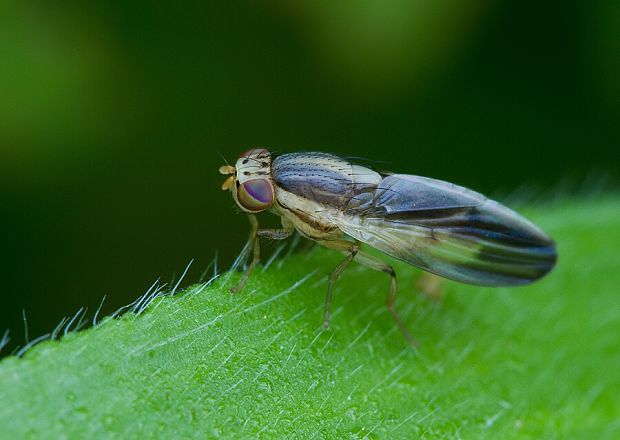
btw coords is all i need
(373, 263)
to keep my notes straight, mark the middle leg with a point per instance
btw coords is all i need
(347, 247)
(371, 262)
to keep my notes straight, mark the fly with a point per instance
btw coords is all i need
(440, 227)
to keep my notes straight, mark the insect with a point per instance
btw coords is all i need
(440, 227)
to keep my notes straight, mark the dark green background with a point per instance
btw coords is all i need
(112, 114)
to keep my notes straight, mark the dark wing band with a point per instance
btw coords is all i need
(450, 231)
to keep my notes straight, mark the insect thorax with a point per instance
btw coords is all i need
(312, 190)
(322, 178)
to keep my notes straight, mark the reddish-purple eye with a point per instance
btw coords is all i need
(255, 195)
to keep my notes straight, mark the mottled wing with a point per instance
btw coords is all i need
(450, 231)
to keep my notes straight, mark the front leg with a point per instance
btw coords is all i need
(272, 234)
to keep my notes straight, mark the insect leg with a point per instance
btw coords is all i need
(278, 234)
(273, 234)
(254, 244)
(377, 264)
(430, 285)
(342, 246)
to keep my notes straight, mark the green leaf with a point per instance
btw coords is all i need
(540, 361)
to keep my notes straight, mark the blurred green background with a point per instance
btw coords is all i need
(112, 115)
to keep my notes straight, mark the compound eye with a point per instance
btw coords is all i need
(255, 195)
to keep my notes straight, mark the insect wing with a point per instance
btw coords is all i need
(450, 231)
